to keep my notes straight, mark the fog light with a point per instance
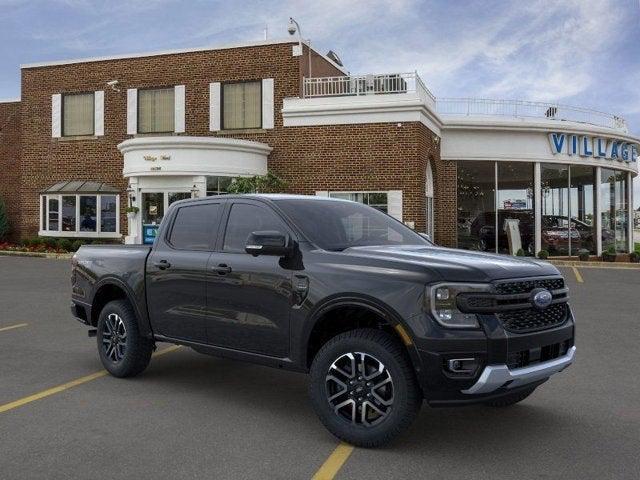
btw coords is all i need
(462, 365)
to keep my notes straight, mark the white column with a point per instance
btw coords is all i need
(537, 205)
(598, 209)
(134, 230)
(630, 244)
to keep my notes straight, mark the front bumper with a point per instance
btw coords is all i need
(494, 377)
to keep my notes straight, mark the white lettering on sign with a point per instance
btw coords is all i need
(597, 147)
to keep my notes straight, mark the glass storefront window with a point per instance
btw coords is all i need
(582, 209)
(88, 213)
(69, 213)
(152, 208)
(613, 207)
(476, 205)
(516, 221)
(554, 233)
(53, 212)
(218, 185)
(108, 213)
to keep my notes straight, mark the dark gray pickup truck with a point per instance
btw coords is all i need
(380, 317)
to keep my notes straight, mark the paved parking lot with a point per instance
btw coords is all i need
(192, 416)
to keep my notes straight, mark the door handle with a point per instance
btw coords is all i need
(222, 269)
(162, 264)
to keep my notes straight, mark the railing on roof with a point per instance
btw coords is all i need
(526, 109)
(356, 85)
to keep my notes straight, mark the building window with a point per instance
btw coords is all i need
(516, 222)
(477, 205)
(156, 110)
(75, 215)
(78, 114)
(241, 105)
(377, 200)
(218, 185)
(614, 209)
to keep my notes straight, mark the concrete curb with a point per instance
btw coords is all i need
(57, 256)
(571, 263)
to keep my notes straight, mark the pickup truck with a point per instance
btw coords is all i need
(379, 316)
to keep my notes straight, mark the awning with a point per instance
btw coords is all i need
(81, 186)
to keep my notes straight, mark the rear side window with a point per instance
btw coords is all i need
(195, 226)
(244, 219)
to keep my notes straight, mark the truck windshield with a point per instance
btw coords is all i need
(338, 224)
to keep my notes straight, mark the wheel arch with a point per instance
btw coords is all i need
(328, 320)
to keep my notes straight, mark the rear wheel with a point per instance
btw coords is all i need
(363, 387)
(512, 399)
(123, 351)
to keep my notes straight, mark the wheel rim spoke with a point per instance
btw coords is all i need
(114, 337)
(359, 389)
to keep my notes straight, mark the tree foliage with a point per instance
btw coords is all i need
(269, 183)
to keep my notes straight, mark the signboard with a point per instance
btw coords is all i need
(595, 147)
(149, 233)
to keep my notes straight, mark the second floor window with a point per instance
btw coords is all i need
(78, 114)
(156, 110)
(241, 105)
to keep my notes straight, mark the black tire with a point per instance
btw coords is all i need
(134, 351)
(512, 399)
(405, 393)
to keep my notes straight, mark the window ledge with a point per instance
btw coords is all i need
(154, 134)
(47, 233)
(241, 131)
(77, 138)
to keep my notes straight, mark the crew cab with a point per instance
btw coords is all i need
(380, 317)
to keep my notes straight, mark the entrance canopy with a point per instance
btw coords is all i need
(81, 186)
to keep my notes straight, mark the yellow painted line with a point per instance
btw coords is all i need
(66, 386)
(577, 274)
(333, 464)
(11, 327)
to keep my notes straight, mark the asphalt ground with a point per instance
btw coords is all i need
(193, 416)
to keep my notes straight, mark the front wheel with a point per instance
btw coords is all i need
(363, 387)
(123, 351)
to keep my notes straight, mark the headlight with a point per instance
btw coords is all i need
(443, 304)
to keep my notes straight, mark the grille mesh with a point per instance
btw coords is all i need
(525, 286)
(531, 320)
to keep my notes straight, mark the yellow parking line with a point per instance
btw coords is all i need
(65, 386)
(11, 327)
(577, 274)
(333, 464)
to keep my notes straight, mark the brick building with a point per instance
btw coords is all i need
(92, 136)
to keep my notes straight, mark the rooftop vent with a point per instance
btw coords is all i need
(334, 57)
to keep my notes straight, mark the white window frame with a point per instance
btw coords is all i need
(44, 216)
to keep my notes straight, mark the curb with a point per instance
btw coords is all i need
(571, 263)
(57, 256)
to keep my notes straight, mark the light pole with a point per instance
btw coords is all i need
(292, 29)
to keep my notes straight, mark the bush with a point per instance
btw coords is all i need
(4, 221)
(634, 257)
(26, 242)
(65, 244)
(520, 253)
(50, 242)
(543, 254)
(610, 254)
(76, 245)
(583, 254)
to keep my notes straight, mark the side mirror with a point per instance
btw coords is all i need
(426, 236)
(269, 242)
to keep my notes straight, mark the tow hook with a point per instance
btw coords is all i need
(92, 333)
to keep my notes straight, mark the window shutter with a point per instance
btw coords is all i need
(267, 103)
(215, 112)
(98, 112)
(322, 193)
(56, 115)
(132, 111)
(394, 204)
(179, 99)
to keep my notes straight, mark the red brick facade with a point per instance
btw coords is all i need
(9, 159)
(382, 156)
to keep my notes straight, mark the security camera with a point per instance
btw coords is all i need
(112, 84)
(292, 27)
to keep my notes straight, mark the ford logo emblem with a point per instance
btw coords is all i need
(541, 298)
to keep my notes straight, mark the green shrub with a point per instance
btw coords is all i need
(520, 253)
(26, 242)
(76, 245)
(583, 254)
(634, 257)
(36, 241)
(65, 244)
(50, 242)
(543, 254)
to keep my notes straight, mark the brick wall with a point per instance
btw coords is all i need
(9, 160)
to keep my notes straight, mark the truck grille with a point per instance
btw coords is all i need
(531, 320)
(524, 358)
(525, 286)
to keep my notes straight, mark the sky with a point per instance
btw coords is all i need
(577, 52)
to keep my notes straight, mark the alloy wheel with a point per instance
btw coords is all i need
(114, 337)
(360, 389)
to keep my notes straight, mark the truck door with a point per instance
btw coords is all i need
(177, 271)
(249, 298)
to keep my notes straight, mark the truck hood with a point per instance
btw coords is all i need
(458, 265)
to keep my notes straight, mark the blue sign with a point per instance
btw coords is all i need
(597, 147)
(149, 233)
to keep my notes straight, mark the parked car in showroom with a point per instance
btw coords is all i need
(379, 317)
